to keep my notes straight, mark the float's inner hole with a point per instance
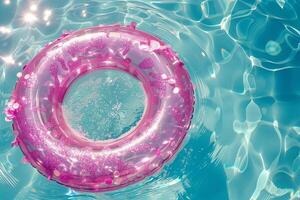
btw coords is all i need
(104, 104)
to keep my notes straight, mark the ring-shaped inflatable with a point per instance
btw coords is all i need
(63, 154)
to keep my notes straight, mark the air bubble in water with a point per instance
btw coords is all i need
(273, 48)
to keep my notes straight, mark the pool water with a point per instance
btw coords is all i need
(244, 60)
(104, 104)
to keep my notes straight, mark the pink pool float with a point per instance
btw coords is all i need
(64, 154)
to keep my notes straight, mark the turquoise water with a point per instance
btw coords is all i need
(244, 60)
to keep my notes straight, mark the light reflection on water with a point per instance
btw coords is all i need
(243, 57)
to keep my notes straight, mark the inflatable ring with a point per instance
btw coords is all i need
(65, 155)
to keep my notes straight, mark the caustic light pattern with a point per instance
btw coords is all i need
(243, 59)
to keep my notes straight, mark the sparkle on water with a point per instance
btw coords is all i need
(243, 57)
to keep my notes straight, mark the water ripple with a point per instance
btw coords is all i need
(245, 130)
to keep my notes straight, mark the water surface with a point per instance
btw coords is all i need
(243, 57)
